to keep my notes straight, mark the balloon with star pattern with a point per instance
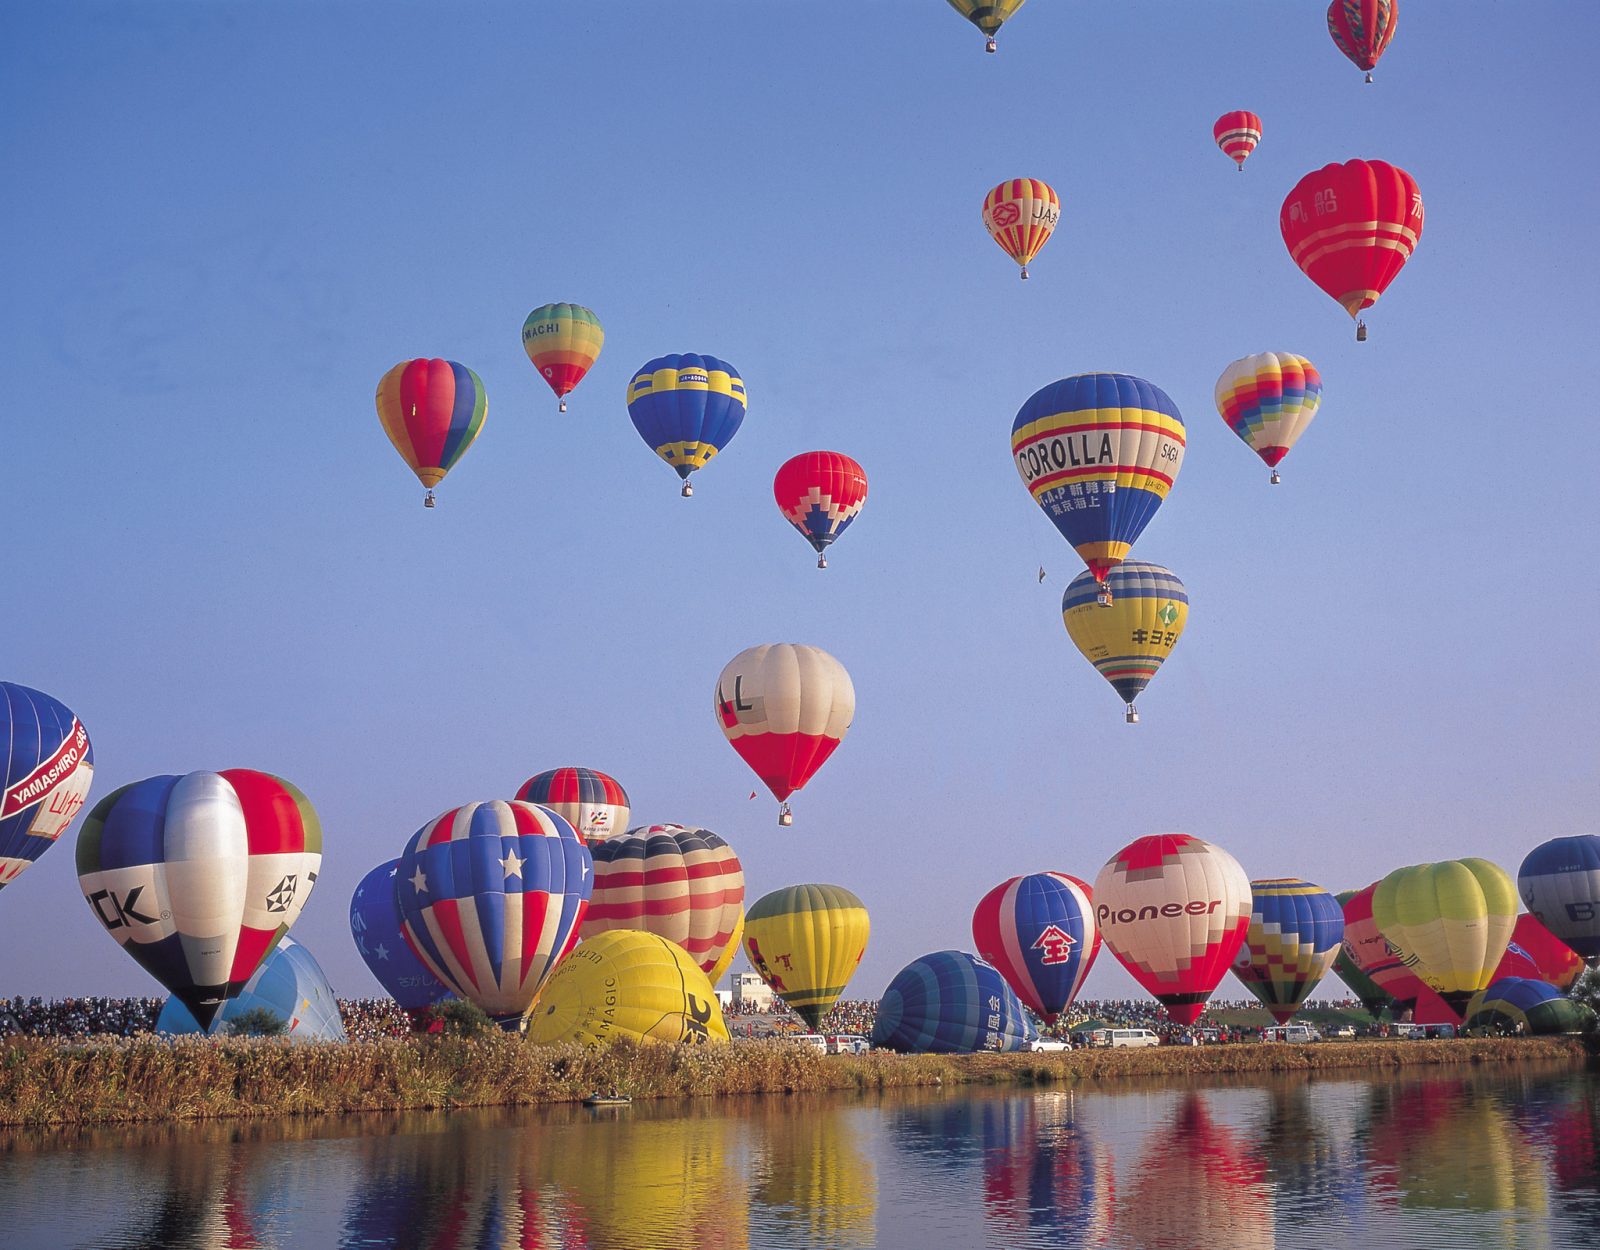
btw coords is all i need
(380, 938)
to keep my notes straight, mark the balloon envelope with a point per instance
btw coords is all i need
(950, 1002)
(563, 341)
(1039, 932)
(1376, 956)
(1268, 400)
(1294, 935)
(1539, 955)
(432, 411)
(1372, 995)
(380, 938)
(1020, 215)
(1560, 884)
(198, 877)
(1174, 910)
(687, 408)
(492, 896)
(685, 885)
(1362, 29)
(1128, 641)
(592, 802)
(1537, 1006)
(784, 708)
(289, 983)
(1451, 921)
(1237, 134)
(805, 942)
(820, 493)
(1099, 452)
(46, 765)
(987, 15)
(624, 983)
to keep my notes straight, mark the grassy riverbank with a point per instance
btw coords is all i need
(147, 1080)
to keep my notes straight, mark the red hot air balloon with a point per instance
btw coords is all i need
(1539, 955)
(1237, 134)
(820, 493)
(1362, 29)
(1351, 228)
(1174, 909)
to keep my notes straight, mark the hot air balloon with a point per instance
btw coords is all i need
(46, 765)
(1451, 922)
(1268, 401)
(1237, 134)
(290, 984)
(820, 493)
(784, 707)
(1351, 228)
(1377, 957)
(1293, 938)
(1523, 1005)
(432, 411)
(380, 938)
(198, 877)
(563, 341)
(1560, 884)
(950, 1003)
(688, 408)
(1174, 909)
(1373, 996)
(624, 983)
(591, 802)
(492, 896)
(1099, 452)
(735, 945)
(684, 884)
(1127, 643)
(1362, 29)
(1020, 215)
(1039, 932)
(805, 941)
(987, 17)
(1536, 954)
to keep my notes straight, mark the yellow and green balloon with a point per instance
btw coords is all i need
(805, 941)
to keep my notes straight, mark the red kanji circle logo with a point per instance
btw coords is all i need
(1005, 214)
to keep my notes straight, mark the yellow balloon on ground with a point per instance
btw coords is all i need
(806, 941)
(1450, 921)
(725, 960)
(624, 983)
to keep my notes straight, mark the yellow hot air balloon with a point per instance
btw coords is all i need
(806, 941)
(987, 17)
(725, 960)
(1451, 923)
(1020, 215)
(624, 983)
(1128, 641)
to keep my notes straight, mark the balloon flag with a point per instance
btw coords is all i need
(685, 885)
(198, 877)
(820, 493)
(1539, 955)
(591, 802)
(688, 408)
(1268, 400)
(289, 983)
(46, 765)
(380, 938)
(1039, 933)
(725, 960)
(1372, 995)
(563, 341)
(784, 707)
(1560, 884)
(1294, 936)
(624, 983)
(1362, 29)
(1020, 216)
(987, 17)
(1128, 642)
(1237, 134)
(1524, 1005)
(1450, 921)
(492, 896)
(805, 941)
(1174, 909)
(432, 410)
(1351, 228)
(950, 1003)
(1099, 452)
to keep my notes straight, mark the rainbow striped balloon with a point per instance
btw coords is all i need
(563, 341)
(1268, 400)
(432, 411)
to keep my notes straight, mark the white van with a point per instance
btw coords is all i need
(814, 1040)
(848, 1044)
(1133, 1037)
(1290, 1033)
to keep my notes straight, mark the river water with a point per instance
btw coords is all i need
(1482, 1159)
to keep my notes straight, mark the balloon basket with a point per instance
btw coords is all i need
(1361, 331)
(1369, 75)
(785, 817)
(1132, 715)
(428, 500)
(1104, 597)
(1275, 478)
(562, 407)
(822, 561)
(1024, 273)
(688, 491)
(991, 46)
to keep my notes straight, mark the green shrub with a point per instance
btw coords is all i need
(458, 1018)
(258, 1022)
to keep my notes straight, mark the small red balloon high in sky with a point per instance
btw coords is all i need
(1237, 134)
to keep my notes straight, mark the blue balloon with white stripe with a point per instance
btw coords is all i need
(1560, 884)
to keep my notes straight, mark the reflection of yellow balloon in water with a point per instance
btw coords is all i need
(725, 960)
(1450, 921)
(624, 983)
(820, 1188)
(806, 941)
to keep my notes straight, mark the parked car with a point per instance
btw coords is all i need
(1133, 1037)
(1290, 1033)
(1049, 1043)
(848, 1044)
(1345, 1030)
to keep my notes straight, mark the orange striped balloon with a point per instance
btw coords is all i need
(1020, 215)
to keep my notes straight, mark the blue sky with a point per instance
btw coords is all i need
(225, 222)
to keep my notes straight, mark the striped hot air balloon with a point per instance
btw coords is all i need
(1525, 1005)
(687, 408)
(820, 493)
(685, 884)
(950, 1002)
(1020, 215)
(1362, 29)
(432, 411)
(1237, 134)
(492, 896)
(1268, 400)
(1294, 936)
(1099, 452)
(46, 765)
(1039, 932)
(592, 802)
(987, 15)
(563, 341)
(1128, 642)
(1560, 884)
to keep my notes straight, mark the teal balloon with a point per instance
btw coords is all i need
(289, 983)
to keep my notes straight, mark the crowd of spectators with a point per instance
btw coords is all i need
(78, 1017)
(373, 1019)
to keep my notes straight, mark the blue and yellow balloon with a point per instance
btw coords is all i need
(687, 408)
